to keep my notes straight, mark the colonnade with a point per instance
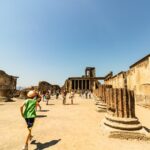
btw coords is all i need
(80, 84)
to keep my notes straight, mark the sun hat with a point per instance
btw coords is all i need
(32, 94)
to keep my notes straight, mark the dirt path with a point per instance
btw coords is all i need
(64, 127)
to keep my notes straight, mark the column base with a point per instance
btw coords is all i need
(101, 107)
(124, 128)
(122, 123)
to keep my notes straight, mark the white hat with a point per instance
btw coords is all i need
(32, 94)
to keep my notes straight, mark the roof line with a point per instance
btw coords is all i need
(139, 61)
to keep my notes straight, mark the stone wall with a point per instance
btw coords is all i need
(117, 81)
(137, 78)
(7, 85)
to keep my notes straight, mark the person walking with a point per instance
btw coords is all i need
(90, 93)
(57, 94)
(86, 94)
(29, 113)
(47, 97)
(64, 97)
(72, 97)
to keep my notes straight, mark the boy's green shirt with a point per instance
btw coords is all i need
(30, 111)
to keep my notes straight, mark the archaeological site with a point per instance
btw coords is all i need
(109, 112)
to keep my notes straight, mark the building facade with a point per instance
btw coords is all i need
(89, 81)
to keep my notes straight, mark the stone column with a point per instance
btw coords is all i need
(81, 84)
(74, 84)
(93, 85)
(78, 85)
(115, 95)
(101, 105)
(89, 84)
(121, 111)
(120, 103)
(70, 87)
(85, 84)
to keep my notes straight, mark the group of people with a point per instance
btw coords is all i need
(46, 96)
(32, 104)
(71, 96)
(87, 94)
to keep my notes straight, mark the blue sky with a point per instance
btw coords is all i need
(54, 39)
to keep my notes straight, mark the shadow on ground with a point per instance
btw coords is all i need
(41, 116)
(44, 110)
(147, 129)
(71, 104)
(10, 101)
(41, 146)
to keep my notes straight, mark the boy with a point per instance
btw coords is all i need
(29, 113)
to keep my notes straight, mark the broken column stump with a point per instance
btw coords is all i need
(102, 106)
(120, 120)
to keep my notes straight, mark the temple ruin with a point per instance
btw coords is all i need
(7, 86)
(89, 81)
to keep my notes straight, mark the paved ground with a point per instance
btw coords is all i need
(59, 127)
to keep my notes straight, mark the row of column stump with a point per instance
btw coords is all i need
(120, 119)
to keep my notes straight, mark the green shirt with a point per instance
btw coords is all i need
(30, 105)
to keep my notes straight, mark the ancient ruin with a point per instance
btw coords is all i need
(121, 110)
(89, 81)
(136, 79)
(118, 96)
(44, 86)
(7, 86)
(101, 98)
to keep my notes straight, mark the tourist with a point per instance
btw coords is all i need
(47, 97)
(50, 93)
(72, 97)
(57, 94)
(64, 97)
(29, 113)
(43, 96)
(86, 94)
(90, 93)
(38, 98)
(83, 92)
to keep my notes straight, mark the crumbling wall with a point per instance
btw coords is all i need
(117, 81)
(7, 85)
(137, 78)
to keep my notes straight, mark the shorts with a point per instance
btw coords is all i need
(30, 122)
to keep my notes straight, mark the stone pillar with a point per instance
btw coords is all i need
(101, 105)
(89, 84)
(81, 84)
(121, 111)
(115, 95)
(74, 84)
(93, 85)
(78, 85)
(85, 84)
(70, 87)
